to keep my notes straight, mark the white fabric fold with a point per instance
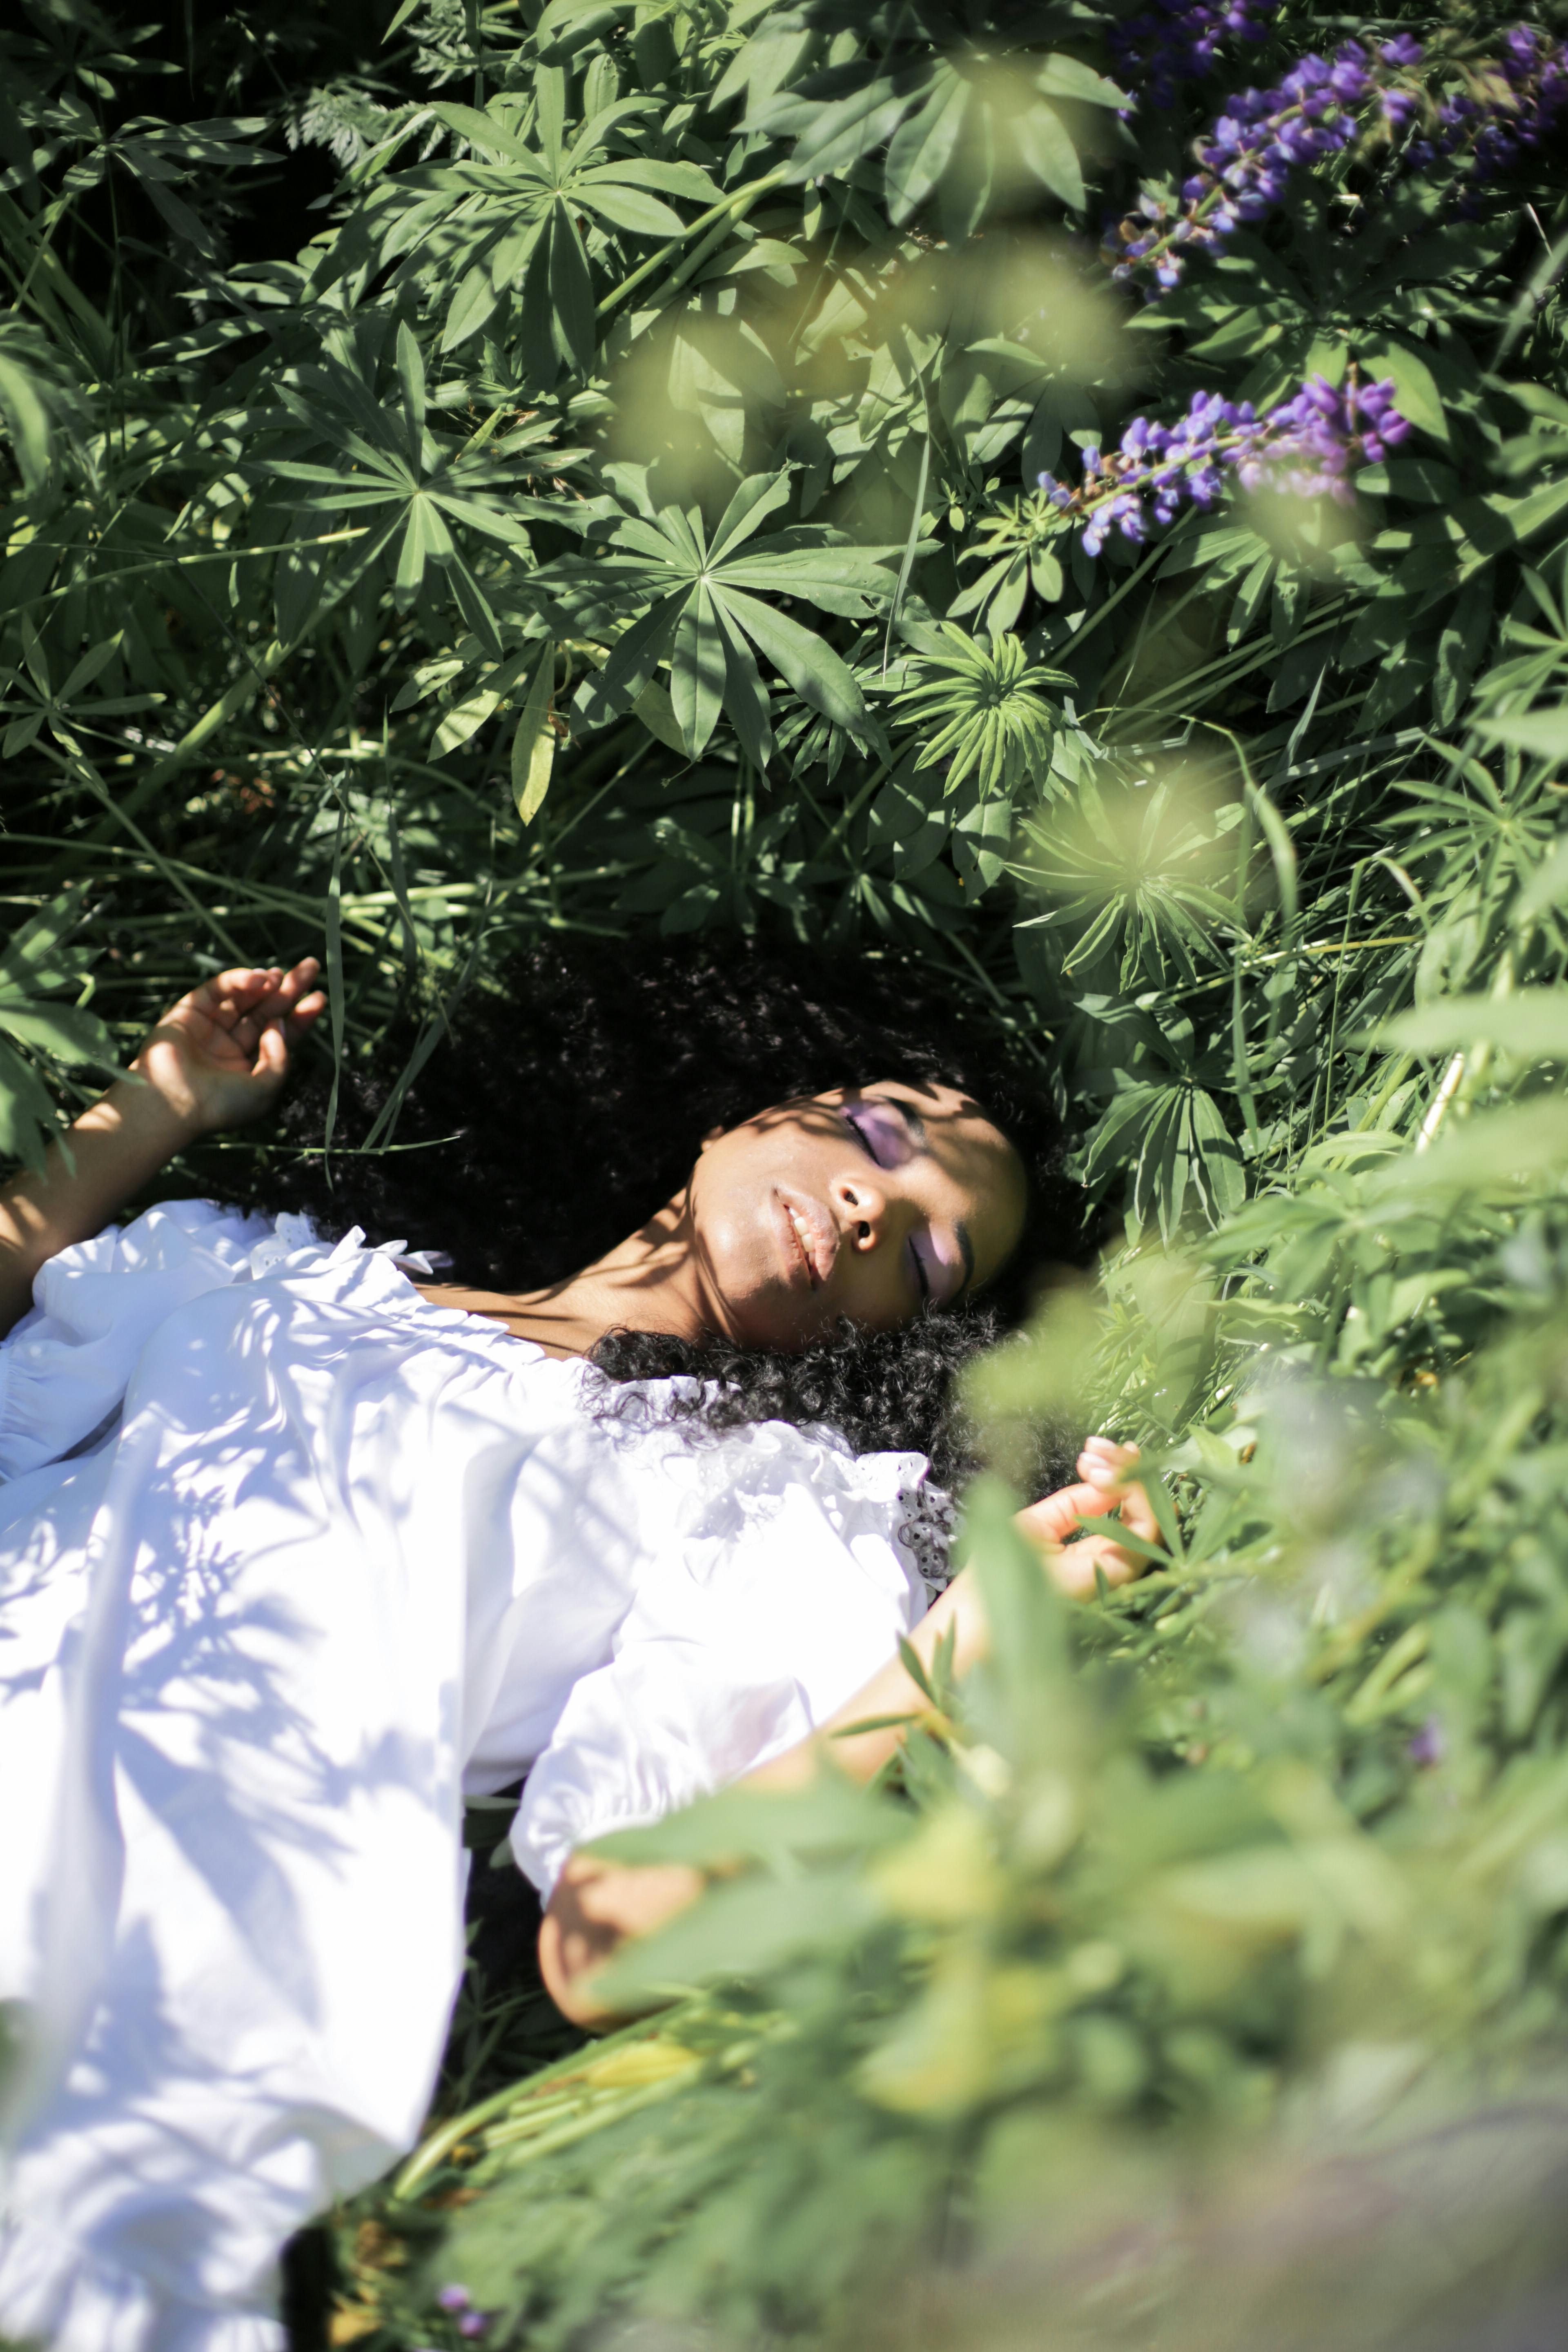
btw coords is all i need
(332, 1556)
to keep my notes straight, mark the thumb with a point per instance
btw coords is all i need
(1056, 1516)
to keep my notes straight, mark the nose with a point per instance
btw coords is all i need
(865, 1209)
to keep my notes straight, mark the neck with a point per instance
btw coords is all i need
(649, 1282)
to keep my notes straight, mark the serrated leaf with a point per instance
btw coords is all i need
(473, 306)
(627, 208)
(758, 497)
(26, 419)
(745, 696)
(571, 293)
(1544, 732)
(1065, 77)
(93, 663)
(411, 382)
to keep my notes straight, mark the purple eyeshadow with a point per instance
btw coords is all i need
(883, 1132)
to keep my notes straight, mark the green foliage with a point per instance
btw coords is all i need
(616, 504)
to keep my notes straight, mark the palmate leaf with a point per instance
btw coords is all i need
(706, 612)
(356, 452)
(980, 707)
(1137, 870)
(953, 124)
(1171, 1138)
(527, 189)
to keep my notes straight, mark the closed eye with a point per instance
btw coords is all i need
(885, 1129)
(921, 1276)
(866, 1140)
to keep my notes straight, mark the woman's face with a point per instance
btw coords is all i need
(864, 1201)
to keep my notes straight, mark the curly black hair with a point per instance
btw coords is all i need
(569, 1102)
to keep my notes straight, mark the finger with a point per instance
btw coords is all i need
(227, 995)
(1100, 1441)
(1105, 1464)
(1054, 1518)
(1138, 1514)
(239, 985)
(271, 1054)
(288, 986)
(307, 1011)
(246, 1032)
(1073, 1570)
(286, 989)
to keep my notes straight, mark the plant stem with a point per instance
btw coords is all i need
(716, 219)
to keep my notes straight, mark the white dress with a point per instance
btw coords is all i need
(290, 1560)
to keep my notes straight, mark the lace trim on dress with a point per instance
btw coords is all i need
(925, 1532)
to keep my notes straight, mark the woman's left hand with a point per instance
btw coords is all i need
(218, 1057)
(1106, 1485)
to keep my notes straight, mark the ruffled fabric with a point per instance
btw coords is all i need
(738, 1479)
(773, 1588)
(63, 1373)
(289, 1558)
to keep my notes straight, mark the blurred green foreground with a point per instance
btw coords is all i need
(480, 473)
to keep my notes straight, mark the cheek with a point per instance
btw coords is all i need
(728, 1227)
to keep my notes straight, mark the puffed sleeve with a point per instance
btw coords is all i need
(65, 1367)
(776, 1587)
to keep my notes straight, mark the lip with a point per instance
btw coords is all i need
(811, 1251)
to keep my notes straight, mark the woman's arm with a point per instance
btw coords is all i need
(216, 1059)
(598, 1905)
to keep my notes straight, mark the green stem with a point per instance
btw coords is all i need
(1467, 1069)
(119, 814)
(1070, 645)
(1231, 667)
(719, 219)
(578, 2065)
(203, 555)
(852, 809)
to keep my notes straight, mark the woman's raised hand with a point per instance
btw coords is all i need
(1105, 1486)
(218, 1057)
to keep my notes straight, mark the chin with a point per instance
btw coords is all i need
(752, 1325)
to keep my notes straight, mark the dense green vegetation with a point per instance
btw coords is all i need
(614, 465)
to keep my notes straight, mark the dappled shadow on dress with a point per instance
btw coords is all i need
(192, 1623)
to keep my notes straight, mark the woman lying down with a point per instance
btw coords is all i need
(298, 1547)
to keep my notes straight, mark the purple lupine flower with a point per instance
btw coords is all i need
(1513, 110)
(1428, 1745)
(454, 2299)
(1173, 41)
(1245, 159)
(474, 2323)
(1309, 446)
